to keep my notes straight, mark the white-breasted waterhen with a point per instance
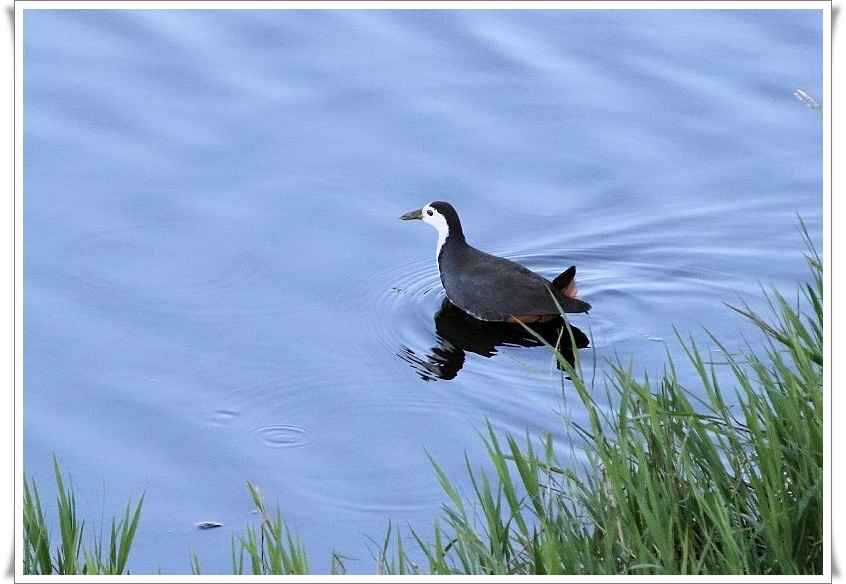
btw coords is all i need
(493, 288)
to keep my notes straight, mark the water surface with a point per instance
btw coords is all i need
(217, 287)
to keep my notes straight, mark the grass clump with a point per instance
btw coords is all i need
(272, 548)
(69, 557)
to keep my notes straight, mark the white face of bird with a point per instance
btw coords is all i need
(434, 218)
(431, 215)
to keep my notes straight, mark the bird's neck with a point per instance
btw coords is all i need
(449, 236)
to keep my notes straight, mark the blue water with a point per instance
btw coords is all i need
(217, 287)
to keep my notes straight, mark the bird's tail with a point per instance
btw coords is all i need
(565, 283)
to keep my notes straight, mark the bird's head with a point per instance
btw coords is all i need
(440, 215)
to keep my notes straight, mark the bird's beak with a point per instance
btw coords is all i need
(418, 214)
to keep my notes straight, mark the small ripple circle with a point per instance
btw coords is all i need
(283, 435)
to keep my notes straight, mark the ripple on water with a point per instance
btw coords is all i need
(223, 417)
(283, 435)
(339, 436)
(406, 296)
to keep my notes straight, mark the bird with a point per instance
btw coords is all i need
(489, 287)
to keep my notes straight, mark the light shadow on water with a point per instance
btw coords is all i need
(457, 333)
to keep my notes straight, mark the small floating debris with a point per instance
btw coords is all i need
(208, 524)
(807, 100)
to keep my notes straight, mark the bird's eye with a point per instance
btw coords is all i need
(429, 212)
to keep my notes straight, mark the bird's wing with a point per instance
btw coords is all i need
(495, 288)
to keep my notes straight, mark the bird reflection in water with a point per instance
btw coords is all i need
(457, 333)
